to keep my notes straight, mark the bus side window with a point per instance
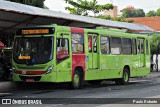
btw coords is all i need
(62, 48)
(116, 45)
(138, 46)
(77, 43)
(134, 50)
(147, 50)
(105, 45)
(90, 43)
(126, 46)
(95, 44)
(142, 46)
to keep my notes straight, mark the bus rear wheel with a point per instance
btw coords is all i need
(125, 78)
(77, 81)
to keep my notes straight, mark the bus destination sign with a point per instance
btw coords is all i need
(35, 31)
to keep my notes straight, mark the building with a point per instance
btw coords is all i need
(152, 22)
(130, 7)
(113, 13)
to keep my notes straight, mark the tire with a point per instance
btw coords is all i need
(125, 78)
(77, 81)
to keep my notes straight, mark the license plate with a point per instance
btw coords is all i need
(29, 80)
(23, 72)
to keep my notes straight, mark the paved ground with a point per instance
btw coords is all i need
(144, 87)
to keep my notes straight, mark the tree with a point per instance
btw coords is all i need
(108, 17)
(36, 3)
(139, 13)
(158, 12)
(82, 7)
(127, 13)
(120, 19)
(78, 7)
(133, 13)
(151, 13)
(155, 46)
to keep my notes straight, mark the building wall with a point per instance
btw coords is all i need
(112, 13)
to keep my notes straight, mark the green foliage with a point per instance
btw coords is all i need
(127, 13)
(158, 12)
(133, 13)
(120, 19)
(151, 13)
(82, 7)
(155, 46)
(139, 13)
(104, 17)
(36, 3)
(77, 8)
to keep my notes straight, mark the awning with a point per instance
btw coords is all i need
(15, 15)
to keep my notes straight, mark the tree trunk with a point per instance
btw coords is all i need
(151, 63)
(157, 62)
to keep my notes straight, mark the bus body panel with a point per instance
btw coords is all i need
(78, 59)
(95, 65)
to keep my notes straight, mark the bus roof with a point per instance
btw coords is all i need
(99, 30)
(118, 33)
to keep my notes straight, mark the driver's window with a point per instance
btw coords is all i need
(62, 48)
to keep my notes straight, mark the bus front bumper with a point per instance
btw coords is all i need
(35, 78)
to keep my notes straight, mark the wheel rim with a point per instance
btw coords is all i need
(125, 76)
(76, 80)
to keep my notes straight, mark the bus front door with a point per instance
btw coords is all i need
(63, 57)
(141, 53)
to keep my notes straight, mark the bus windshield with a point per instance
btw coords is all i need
(33, 50)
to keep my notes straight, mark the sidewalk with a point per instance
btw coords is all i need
(154, 74)
(9, 85)
(6, 86)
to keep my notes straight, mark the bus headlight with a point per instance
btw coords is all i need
(49, 70)
(13, 70)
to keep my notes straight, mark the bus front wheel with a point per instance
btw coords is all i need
(77, 81)
(125, 78)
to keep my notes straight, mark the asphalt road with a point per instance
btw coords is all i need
(144, 87)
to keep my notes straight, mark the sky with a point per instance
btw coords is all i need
(146, 5)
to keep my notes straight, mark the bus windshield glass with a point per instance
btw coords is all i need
(33, 50)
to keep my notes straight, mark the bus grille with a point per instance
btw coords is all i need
(35, 78)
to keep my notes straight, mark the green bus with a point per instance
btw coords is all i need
(73, 55)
